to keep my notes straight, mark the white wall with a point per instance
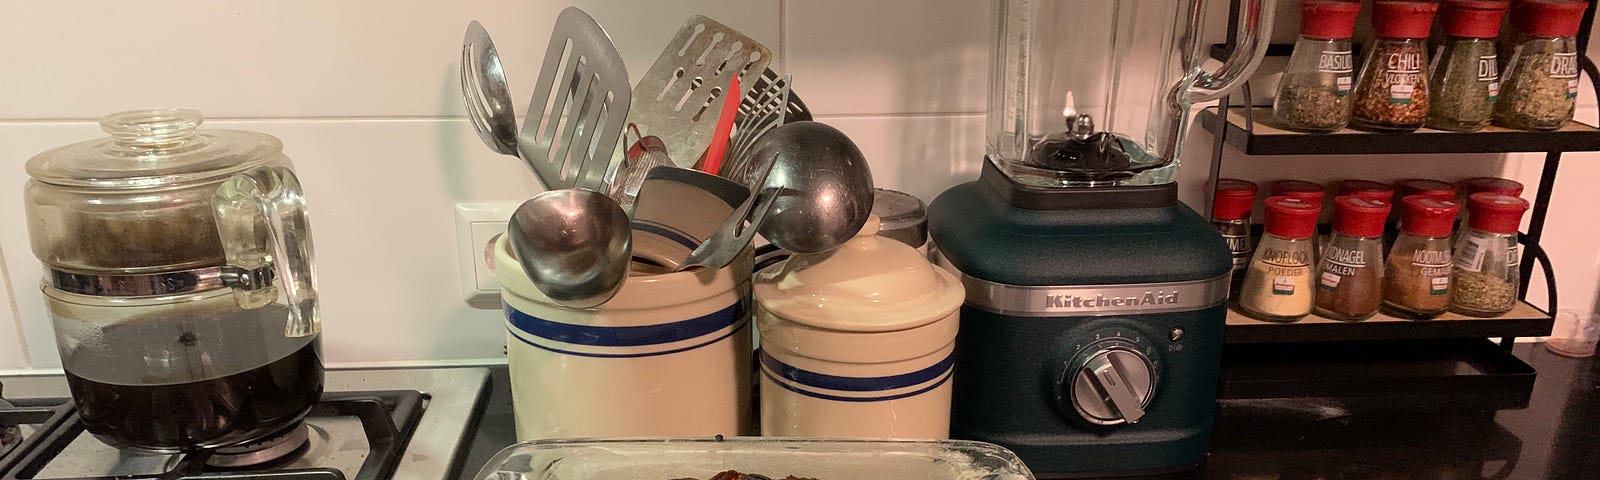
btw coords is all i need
(364, 95)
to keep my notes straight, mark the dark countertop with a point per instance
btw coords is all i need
(1556, 437)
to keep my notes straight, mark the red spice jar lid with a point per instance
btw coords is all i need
(1473, 18)
(1234, 200)
(1403, 19)
(1359, 217)
(1548, 18)
(1428, 216)
(1367, 189)
(1429, 188)
(1328, 19)
(1503, 186)
(1495, 213)
(1300, 190)
(1291, 218)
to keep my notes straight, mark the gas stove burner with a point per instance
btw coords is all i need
(274, 447)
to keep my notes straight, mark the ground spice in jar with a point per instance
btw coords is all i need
(1416, 279)
(1350, 271)
(1278, 285)
(1392, 89)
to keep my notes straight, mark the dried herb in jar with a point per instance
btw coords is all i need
(1482, 292)
(1541, 82)
(1465, 86)
(1540, 91)
(1312, 106)
(1314, 94)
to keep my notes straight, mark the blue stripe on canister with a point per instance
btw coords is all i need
(719, 338)
(791, 378)
(637, 336)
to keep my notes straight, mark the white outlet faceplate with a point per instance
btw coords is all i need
(477, 225)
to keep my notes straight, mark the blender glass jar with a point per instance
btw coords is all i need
(166, 250)
(1098, 93)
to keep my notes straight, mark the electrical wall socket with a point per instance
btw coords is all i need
(477, 227)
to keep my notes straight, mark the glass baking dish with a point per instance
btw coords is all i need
(822, 459)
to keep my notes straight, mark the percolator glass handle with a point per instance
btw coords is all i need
(1253, 33)
(262, 221)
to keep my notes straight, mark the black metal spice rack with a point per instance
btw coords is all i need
(1449, 355)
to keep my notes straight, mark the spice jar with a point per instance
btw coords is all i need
(1392, 90)
(1308, 192)
(1466, 77)
(1350, 272)
(1541, 79)
(1416, 280)
(1278, 284)
(1230, 213)
(1488, 261)
(1475, 185)
(1314, 93)
(857, 342)
(1367, 189)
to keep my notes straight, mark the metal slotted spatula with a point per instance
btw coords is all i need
(762, 110)
(569, 138)
(681, 96)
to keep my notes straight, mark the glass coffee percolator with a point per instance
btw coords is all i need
(166, 250)
(1098, 93)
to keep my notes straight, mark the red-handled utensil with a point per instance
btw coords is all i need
(712, 162)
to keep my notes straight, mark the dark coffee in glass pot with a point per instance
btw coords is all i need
(179, 282)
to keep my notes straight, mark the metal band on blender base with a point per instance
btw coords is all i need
(1095, 300)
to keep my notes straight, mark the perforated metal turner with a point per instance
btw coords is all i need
(763, 109)
(570, 138)
(680, 97)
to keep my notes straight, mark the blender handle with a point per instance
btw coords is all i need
(1254, 32)
(261, 219)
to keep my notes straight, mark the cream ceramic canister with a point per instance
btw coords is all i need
(668, 356)
(857, 342)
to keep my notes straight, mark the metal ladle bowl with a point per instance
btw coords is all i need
(823, 184)
(574, 244)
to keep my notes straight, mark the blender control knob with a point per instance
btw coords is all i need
(1112, 386)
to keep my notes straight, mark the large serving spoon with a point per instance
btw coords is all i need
(574, 244)
(486, 93)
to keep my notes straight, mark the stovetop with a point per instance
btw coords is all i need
(410, 424)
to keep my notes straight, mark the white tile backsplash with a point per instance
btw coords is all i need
(889, 57)
(364, 95)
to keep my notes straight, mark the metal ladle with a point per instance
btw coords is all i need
(574, 244)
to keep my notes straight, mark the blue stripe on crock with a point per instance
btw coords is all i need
(736, 329)
(854, 384)
(625, 336)
(779, 382)
(668, 233)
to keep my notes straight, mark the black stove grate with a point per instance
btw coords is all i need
(388, 417)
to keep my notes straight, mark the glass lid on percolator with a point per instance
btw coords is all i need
(153, 148)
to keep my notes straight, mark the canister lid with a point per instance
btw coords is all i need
(1361, 217)
(1367, 189)
(1291, 217)
(153, 148)
(1473, 18)
(869, 284)
(1234, 200)
(1328, 19)
(1495, 213)
(1403, 18)
(1549, 18)
(1429, 216)
(902, 216)
(1503, 186)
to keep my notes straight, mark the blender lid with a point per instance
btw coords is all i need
(153, 148)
